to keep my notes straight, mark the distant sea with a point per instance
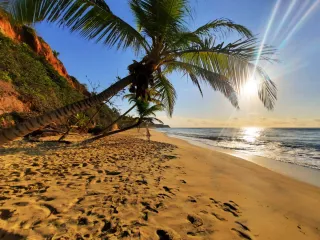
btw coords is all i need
(300, 146)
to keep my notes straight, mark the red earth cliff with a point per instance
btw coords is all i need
(27, 35)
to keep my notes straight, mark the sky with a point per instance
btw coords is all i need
(291, 26)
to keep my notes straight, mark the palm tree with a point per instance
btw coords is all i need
(154, 97)
(163, 44)
(146, 114)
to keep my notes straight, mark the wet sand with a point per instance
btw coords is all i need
(127, 188)
(301, 173)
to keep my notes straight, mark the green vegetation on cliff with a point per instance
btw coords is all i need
(33, 77)
(38, 84)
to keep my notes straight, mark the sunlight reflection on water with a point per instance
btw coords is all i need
(251, 134)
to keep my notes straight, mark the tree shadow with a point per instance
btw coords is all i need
(5, 235)
(39, 149)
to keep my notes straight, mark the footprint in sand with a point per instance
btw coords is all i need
(217, 216)
(148, 207)
(167, 189)
(244, 227)
(191, 199)
(195, 220)
(214, 201)
(107, 227)
(164, 235)
(242, 234)
(5, 214)
(3, 198)
(82, 221)
(52, 209)
(21, 204)
(231, 208)
(46, 199)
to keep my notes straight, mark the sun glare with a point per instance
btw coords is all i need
(250, 88)
(251, 133)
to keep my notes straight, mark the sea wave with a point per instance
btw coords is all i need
(295, 146)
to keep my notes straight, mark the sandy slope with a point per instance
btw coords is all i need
(125, 187)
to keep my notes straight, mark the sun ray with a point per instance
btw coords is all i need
(302, 8)
(284, 19)
(266, 34)
(300, 23)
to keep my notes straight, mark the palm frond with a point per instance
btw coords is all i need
(216, 82)
(238, 72)
(152, 120)
(151, 111)
(183, 40)
(167, 93)
(195, 81)
(154, 97)
(160, 18)
(93, 19)
(247, 49)
(142, 106)
(267, 89)
(223, 26)
(129, 96)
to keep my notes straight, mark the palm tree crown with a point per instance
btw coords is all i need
(164, 42)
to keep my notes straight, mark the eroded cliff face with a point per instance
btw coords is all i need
(27, 35)
(9, 99)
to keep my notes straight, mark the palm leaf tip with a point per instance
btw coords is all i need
(168, 94)
(92, 19)
(223, 26)
(267, 90)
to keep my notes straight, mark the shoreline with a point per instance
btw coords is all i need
(294, 171)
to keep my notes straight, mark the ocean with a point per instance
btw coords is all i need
(299, 146)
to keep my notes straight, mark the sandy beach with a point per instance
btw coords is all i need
(124, 187)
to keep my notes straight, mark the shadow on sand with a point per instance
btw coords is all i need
(4, 235)
(39, 149)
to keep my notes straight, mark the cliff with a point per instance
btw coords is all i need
(27, 35)
(33, 80)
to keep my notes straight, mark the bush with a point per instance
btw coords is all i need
(96, 130)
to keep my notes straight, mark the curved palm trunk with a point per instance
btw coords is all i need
(111, 133)
(93, 116)
(69, 128)
(58, 115)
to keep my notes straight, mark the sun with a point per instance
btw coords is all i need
(250, 88)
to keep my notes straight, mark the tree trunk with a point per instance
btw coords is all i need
(111, 133)
(69, 128)
(65, 134)
(119, 118)
(58, 115)
(93, 116)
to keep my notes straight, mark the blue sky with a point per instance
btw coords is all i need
(295, 33)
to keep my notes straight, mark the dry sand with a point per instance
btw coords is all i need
(127, 188)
